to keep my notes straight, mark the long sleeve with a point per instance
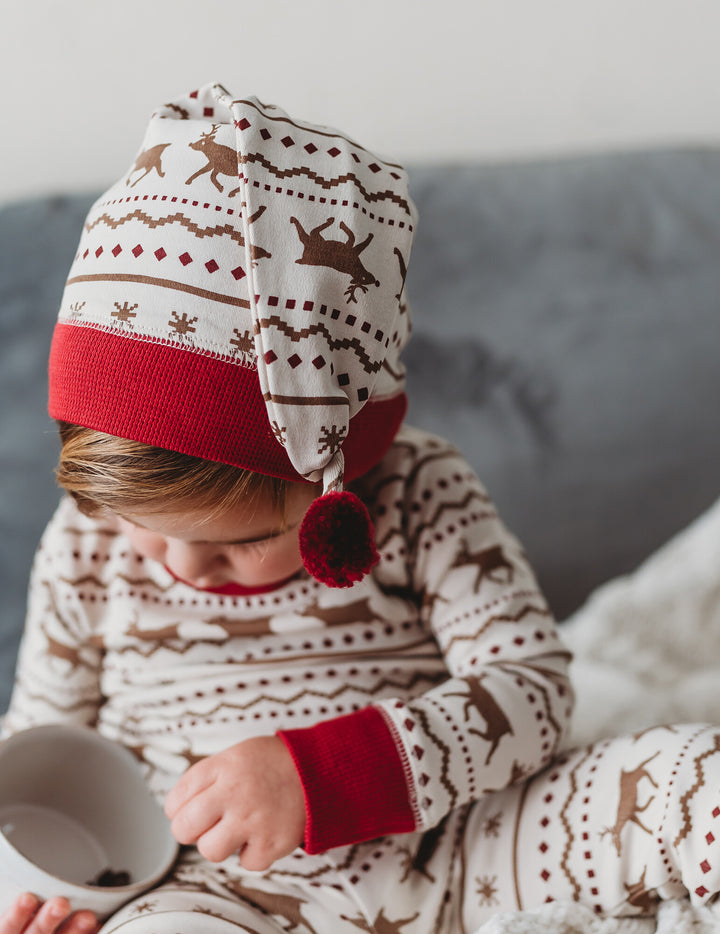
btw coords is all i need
(58, 672)
(505, 705)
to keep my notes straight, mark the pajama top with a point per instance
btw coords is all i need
(438, 678)
(419, 706)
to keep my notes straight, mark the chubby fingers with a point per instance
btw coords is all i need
(20, 914)
(220, 842)
(200, 821)
(197, 778)
(194, 817)
(80, 922)
(28, 915)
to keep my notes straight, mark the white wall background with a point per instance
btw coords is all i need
(415, 79)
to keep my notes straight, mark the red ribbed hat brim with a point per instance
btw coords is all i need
(190, 402)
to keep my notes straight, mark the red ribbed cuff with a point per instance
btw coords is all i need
(353, 780)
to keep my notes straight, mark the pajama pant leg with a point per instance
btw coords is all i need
(618, 826)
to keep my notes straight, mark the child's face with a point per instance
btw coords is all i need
(249, 546)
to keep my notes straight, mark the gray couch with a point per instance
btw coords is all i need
(566, 337)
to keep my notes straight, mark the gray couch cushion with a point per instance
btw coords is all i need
(38, 240)
(566, 335)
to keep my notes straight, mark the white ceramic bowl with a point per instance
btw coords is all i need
(72, 805)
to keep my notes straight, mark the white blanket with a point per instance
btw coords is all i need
(647, 651)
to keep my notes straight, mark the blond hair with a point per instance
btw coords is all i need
(105, 473)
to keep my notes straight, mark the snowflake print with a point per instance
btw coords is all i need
(123, 314)
(486, 889)
(243, 343)
(332, 439)
(182, 325)
(491, 827)
(279, 432)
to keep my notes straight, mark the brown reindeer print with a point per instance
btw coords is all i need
(418, 861)
(490, 562)
(58, 649)
(640, 897)
(256, 252)
(146, 162)
(172, 632)
(428, 602)
(53, 647)
(497, 724)
(359, 611)
(345, 257)
(288, 907)
(403, 271)
(381, 924)
(221, 160)
(628, 807)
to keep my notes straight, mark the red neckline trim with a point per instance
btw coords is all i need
(234, 590)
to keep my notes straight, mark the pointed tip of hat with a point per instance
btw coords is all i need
(337, 543)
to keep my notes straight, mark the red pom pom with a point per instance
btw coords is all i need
(336, 539)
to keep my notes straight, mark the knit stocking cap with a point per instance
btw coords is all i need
(239, 296)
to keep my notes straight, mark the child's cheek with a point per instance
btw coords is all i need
(275, 563)
(285, 560)
(153, 547)
(148, 544)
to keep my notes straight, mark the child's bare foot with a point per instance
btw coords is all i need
(28, 915)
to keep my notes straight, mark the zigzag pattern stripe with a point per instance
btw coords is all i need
(61, 708)
(430, 524)
(568, 828)
(132, 581)
(426, 640)
(343, 343)
(470, 496)
(692, 791)
(509, 598)
(443, 747)
(149, 711)
(540, 686)
(327, 183)
(499, 618)
(155, 222)
(442, 454)
(109, 533)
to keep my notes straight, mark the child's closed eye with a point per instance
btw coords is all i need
(253, 547)
(262, 544)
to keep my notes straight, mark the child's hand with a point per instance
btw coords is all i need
(28, 915)
(247, 798)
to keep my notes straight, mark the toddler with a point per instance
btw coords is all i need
(305, 618)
